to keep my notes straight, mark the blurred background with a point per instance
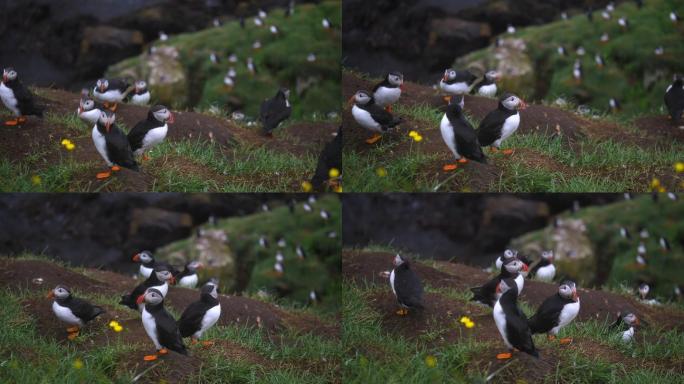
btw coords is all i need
(421, 38)
(582, 229)
(220, 230)
(70, 44)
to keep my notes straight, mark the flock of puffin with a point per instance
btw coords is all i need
(373, 110)
(148, 297)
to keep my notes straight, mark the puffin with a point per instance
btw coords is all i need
(406, 286)
(487, 293)
(644, 289)
(159, 325)
(600, 62)
(110, 92)
(487, 85)
(158, 280)
(275, 110)
(71, 310)
(456, 82)
(201, 315)
(112, 144)
(188, 278)
(664, 244)
(17, 98)
(89, 111)
(674, 98)
(624, 322)
(508, 254)
(147, 264)
(624, 233)
(545, 270)
(372, 116)
(614, 105)
(501, 123)
(556, 312)
(299, 250)
(140, 95)
(460, 137)
(151, 131)
(263, 242)
(388, 91)
(330, 157)
(577, 71)
(511, 321)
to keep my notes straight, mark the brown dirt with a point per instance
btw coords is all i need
(18, 275)
(660, 127)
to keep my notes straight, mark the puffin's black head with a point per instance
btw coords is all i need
(568, 290)
(395, 78)
(399, 260)
(644, 288)
(509, 254)
(548, 255)
(9, 74)
(210, 289)
(102, 85)
(151, 296)
(60, 292)
(677, 80)
(513, 265)
(143, 257)
(86, 104)
(164, 274)
(161, 114)
(492, 75)
(449, 75)
(284, 92)
(213, 281)
(140, 86)
(107, 119)
(506, 285)
(512, 102)
(361, 98)
(630, 319)
(193, 266)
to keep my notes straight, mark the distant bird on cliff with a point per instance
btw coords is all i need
(388, 91)
(605, 15)
(501, 123)
(564, 16)
(605, 37)
(577, 71)
(456, 82)
(273, 29)
(460, 137)
(406, 286)
(112, 144)
(624, 23)
(163, 36)
(213, 58)
(659, 51)
(17, 98)
(371, 116)
(487, 85)
(140, 94)
(275, 110)
(326, 23)
(644, 289)
(580, 51)
(561, 50)
(151, 131)
(510, 29)
(674, 17)
(110, 92)
(232, 58)
(664, 244)
(71, 310)
(256, 45)
(625, 233)
(600, 62)
(251, 67)
(258, 22)
(614, 105)
(674, 99)
(228, 81)
(262, 14)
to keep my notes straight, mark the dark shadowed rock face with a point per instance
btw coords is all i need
(107, 229)
(469, 228)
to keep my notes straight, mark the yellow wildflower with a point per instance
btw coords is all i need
(70, 146)
(382, 172)
(417, 138)
(430, 361)
(413, 133)
(662, 190)
(65, 141)
(655, 183)
(306, 186)
(464, 319)
(338, 189)
(113, 323)
(469, 324)
(679, 167)
(36, 180)
(333, 173)
(118, 328)
(78, 363)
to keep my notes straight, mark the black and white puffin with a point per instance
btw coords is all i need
(263, 242)
(388, 91)
(456, 82)
(624, 232)
(511, 268)
(406, 286)
(188, 278)
(112, 144)
(158, 280)
(624, 322)
(151, 131)
(372, 116)
(89, 111)
(614, 105)
(159, 325)
(556, 312)
(664, 244)
(511, 321)
(674, 17)
(545, 270)
(201, 315)
(275, 110)
(577, 71)
(600, 62)
(299, 250)
(644, 289)
(501, 123)
(330, 157)
(674, 99)
(147, 264)
(110, 92)
(140, 94)
(17, 98)
(624, 23)
(460, 137)
(508, 254)
(71, 310)
(487, 85)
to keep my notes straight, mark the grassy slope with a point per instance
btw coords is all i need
(448, 352)
(31, 351)
(543, 163)
(660, 219)
(319, 271)
(629, 57)
(281, 61)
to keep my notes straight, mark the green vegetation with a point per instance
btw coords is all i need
(282, 61)
(635, 75)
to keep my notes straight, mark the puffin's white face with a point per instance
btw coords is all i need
(362, 98)
(286, 92)
(513, 102)
(631, 319)
(9, 74)
(515, 266)
(153, 296)
(568, 290)
(510, 254)
(396, 79)
(164, 275)
(145, 257)
(86, 105)
(107, 118)
(492, 75)
(61, 292)
(644, 289)
(449, 75)
(210, 289)
(163, 114)
(140, 85)
(102, 84)
(194, 266)
(398, 260)
(547, 255)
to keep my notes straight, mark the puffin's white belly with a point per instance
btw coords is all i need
(154, 137)
(365, 119)
(500, 320)
(210, 318)
(142, 99)
(8, 98)
(392, 282)
(145, 271)
(91, 116)
(510, 125)
(455, 88)
(488, 90)
(111, 96)
(189, 281)
(546, 273)
(520, 282)
(101, 145)
(568, 314)
(448, 135)
(65, 314)
(385, 96)
(150, 326)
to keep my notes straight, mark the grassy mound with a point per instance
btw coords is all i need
(282, 61)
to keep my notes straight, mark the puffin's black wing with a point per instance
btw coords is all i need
(119, 84)
(467, 142)
(384, 118)
(273, 111)
(383, 83)
(519, 335)
(84, 310)
(409, 288)
(547, 315)
(477, 86)
(119, 149)
(25, 99)
(674, 100)
(191, 319)
(331, 157)
(490, 127)
(168, 334)
(464, 77)
(137, 134)
(129, 300)
(487, 293)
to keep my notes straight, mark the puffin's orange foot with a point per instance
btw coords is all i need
(551, 337)
(145, 157)
(106, 104)
(21, 119)
(402, 312)
(374, 139)
(193, 341)
(504, 356)
(493, 149)
(566, 340)
(508, 151)
(72, 329)
(72, 335)
(449, 167)
(150, 357)
(462, 160)
(388, 108)
(12, 122)
(447, 99)
(116, 168)
(103, 175)
(207, 343)
(163, 351)
(113, 108)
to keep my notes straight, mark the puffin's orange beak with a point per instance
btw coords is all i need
(575, 296)
(172, 280)
(523, 105)
(498, 288)
(525, 268)
(140, 299)
(636, 321)
(51, 295)
(4, 78)
(171, 119)
(108, 126)
(80, 110)
(136, 257)
(351, 101)
(445, 77)
(102, 88)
